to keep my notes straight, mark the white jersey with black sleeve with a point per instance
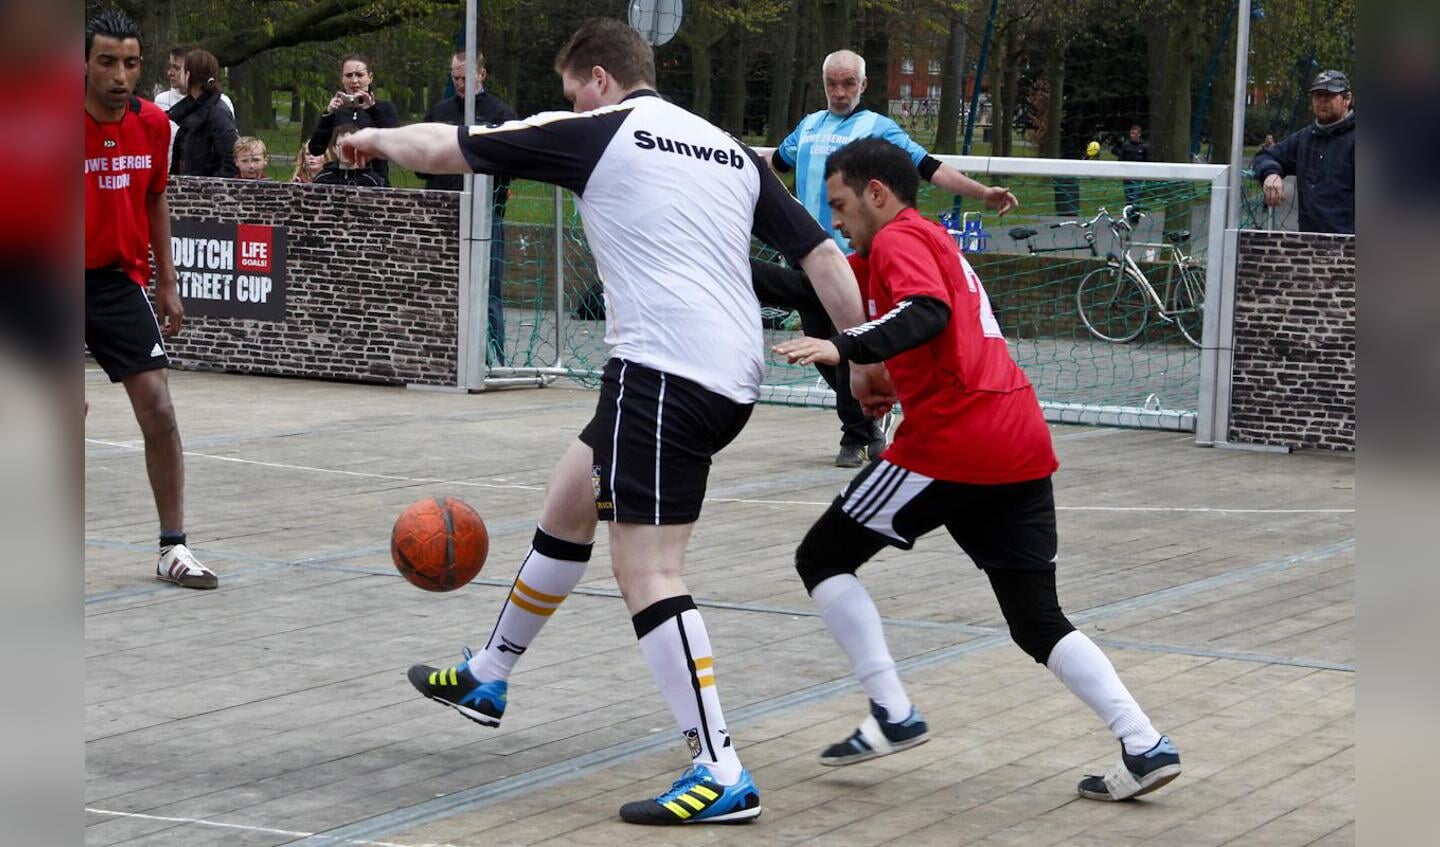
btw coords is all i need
(669, 202)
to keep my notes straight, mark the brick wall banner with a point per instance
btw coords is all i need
(368, 288)
(1293, 374)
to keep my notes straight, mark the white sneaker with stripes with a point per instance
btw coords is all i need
(178, 565)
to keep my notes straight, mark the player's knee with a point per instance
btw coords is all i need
(827, 550)
(1039, 634)
(155, 413)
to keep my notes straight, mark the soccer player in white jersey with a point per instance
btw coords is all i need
(804, 151)
(669, 203)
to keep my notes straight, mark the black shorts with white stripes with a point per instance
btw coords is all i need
(1005, 527)
(120, 327)
(653, 435)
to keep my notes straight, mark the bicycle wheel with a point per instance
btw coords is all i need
(1112, 304)
(1187, 304)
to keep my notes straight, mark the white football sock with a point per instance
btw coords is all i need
(1083, 667)
(854, 621)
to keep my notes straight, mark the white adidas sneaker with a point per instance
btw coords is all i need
(178, 565)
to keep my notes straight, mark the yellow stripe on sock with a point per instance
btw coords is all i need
(704, 792)
(533, 609)
(538, 595)
(705, 663)
(706, 681)
(680, 811)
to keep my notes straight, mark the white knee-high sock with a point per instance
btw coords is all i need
(550, 572)
(1083, 667)
(848, 611)
(677, 647)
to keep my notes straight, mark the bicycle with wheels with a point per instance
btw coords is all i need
(1115, 302)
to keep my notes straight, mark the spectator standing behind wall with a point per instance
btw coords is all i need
(355, 103)
(167, 99)
(1134, 149)
(343, 170)
(205, 142)
(489, 111)
(1321, 157)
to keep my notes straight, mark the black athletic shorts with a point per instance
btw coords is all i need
(120, 327)
(1002, 527)
(653, 435)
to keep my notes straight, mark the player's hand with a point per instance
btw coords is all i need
(1000, 199)
(871, 387)
(167, 303)
(808, 351)
(1274, 190)
(360, 146)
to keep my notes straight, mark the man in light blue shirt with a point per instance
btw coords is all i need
(804, 151)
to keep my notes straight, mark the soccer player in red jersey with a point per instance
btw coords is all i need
(126, 151)
(973, 454)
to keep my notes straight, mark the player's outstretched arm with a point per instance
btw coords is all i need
(996, 197)
(834, 283)
(432, 148)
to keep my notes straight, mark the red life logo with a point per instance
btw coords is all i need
(256, 247)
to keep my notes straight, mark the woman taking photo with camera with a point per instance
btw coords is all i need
(205, 141)
(355, 103)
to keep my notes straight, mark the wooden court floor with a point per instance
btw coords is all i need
(276, 711)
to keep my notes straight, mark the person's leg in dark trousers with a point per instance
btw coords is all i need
(858, 433)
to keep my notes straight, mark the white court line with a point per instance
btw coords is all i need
(1220, 511)
(247, 828)
(130, 445)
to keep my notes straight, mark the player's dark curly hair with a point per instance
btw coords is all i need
(614, 46)
(113, 24)
(865, 159)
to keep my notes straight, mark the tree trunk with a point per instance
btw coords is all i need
(1055, 104)
(1156, 41)
(777, 123)
(997, 64)
(1171, 141)
(157, 36)
(1222, 107)
(240, 80)
(701, 69)
(263, 99)
(836, 29)
(296, 107)
(1005, 134)
(876, 50)
(952, 86)
(309, 118)
(736, 55)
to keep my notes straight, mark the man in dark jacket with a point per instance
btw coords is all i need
(1134, 149)
(1321, 157)
(489, 110)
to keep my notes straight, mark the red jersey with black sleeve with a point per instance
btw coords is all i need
(971, 415)
(125, 160)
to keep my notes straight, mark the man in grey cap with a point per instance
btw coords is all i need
(1321, 157)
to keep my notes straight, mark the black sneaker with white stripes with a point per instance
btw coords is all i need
(1134, 776)
(876, 737)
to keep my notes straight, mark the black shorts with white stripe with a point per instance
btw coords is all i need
(1008, 527)
(120, 327)
(653, 435)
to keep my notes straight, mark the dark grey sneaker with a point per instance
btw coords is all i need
(877, 737)
(850, 456)
(1133, 776)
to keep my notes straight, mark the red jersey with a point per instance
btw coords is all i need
(125, 160)
(970, 413)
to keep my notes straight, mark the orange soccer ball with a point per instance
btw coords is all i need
(439, 543)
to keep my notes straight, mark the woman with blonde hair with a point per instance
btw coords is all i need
(307, 167)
